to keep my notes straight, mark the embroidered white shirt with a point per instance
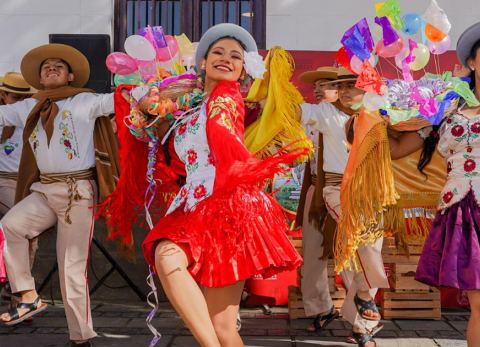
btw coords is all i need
(330, 121)
(71, 145)
(11, 151)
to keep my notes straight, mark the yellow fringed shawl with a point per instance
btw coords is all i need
(368, 197)
(279, 124)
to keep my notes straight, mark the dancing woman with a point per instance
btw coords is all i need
(221, 228)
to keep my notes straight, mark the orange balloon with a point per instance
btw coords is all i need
(433, 34)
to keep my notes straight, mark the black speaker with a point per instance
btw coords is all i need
(95, 47)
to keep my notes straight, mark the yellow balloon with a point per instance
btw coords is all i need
(422, 56)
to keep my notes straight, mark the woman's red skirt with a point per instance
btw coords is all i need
(236, 233)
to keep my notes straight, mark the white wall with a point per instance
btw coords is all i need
(320, 24)
(25, 24)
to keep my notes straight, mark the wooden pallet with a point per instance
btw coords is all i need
(411, 304)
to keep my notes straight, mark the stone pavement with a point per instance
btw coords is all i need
(124, 325)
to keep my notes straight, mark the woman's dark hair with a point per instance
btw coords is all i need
(430, 143)
(429, 146)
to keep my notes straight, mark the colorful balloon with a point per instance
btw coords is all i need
(147, 69)
(437, 18)
(434, 34)
(139, 47)
(120, 63)
(422, 56)
(390, 50)
(154, 35)
(341, 57)
(168, 52)
(133, 78)
(412, 23)
(441, 46)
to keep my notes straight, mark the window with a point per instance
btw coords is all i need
(192, 17)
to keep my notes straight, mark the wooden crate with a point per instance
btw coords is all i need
(295, 301)
(403, 278)
(411, 304)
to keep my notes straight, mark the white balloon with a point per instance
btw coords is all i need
(373, 102)
(139, 47)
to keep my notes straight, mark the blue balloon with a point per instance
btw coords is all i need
(412, 23)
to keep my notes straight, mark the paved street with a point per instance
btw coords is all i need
(124, 325)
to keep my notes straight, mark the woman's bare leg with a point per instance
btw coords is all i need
(184, 293)
(473, 328)
(223, 304)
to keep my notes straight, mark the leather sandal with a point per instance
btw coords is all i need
(363, 306)
(321, 321)
(32, 309)
(363, 338)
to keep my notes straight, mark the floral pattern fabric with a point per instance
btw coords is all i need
(191, 145)
(11, 150)
(460, 145)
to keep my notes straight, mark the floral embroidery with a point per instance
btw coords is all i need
(194, 119)
(199, 192)
(182, 129)
(475, 127)
(211, 160)
(34, 139)
(191, 156)
(457, 131)
(68, 136)
(447, 197)
(9, 147)
(469, 165)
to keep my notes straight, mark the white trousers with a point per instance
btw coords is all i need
(42, 209)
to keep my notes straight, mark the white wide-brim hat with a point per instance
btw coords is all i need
(223, 30)
(466, 41)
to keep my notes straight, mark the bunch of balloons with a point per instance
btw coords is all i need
(360, 53)
(151, 54)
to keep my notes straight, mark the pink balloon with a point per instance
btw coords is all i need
(390, 50)
(440, 47)
(166, 53)
(147, 69)
(121, 63)
(356, 64)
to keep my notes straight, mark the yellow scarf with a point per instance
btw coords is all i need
(279, 124)
(368, 197)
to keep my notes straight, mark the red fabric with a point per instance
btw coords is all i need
(122, 208)
(239, 231)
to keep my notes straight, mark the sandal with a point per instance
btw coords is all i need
(363, 338)
(321, 321)
(33, 308)
(363, 306)
(375, 330)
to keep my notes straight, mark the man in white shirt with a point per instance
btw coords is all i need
(12, 89)
(325, 119)
(59, 131)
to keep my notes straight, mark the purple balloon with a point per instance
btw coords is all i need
(155, 35)
(121, 63)
(389, 34)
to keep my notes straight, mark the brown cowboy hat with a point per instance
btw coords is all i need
(323, 72)
(344, 75)
(32, 62)
(13, 82)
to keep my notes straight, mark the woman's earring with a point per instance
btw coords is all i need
(472, 68)
(203, 67)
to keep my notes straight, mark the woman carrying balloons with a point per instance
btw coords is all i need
(451, 256)
(221, 228)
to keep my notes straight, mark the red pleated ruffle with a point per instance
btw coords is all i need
(232, 235)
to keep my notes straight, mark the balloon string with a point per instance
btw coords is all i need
(395, 67)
